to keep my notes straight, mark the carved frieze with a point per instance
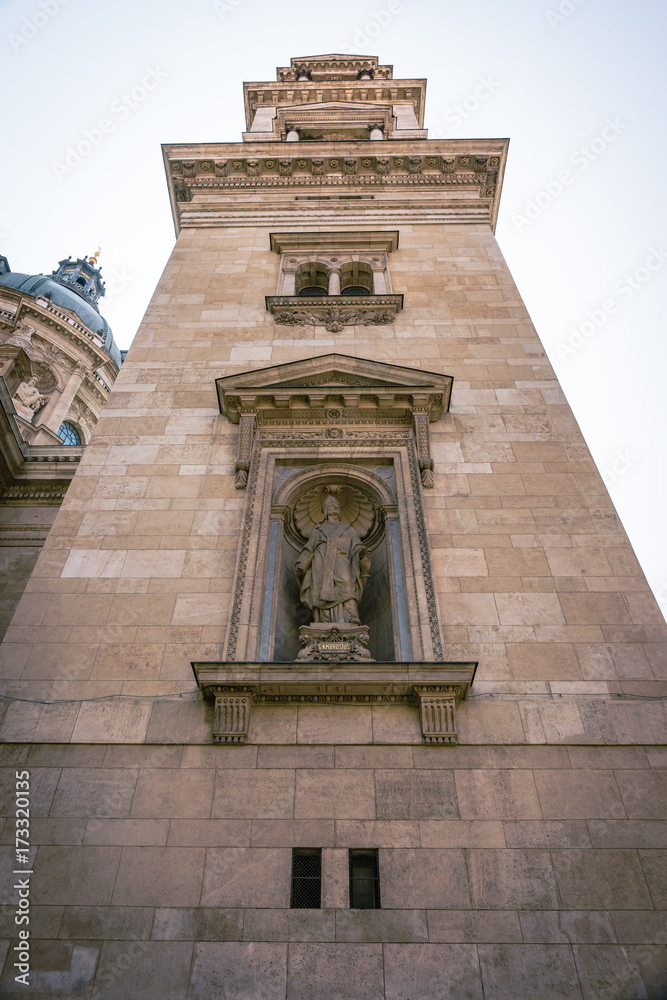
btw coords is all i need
(333, 312)
(416, 170)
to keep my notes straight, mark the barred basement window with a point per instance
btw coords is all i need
(364, 880)
(306, 878)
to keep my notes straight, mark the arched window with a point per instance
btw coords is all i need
(68, 433)
(311, 279)
(356, 279)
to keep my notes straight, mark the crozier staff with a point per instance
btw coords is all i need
(332, 568)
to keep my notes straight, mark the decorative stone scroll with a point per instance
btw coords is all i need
(246, 435)
(422, 439)
(435, 688)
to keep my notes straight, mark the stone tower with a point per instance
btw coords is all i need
(337, 676)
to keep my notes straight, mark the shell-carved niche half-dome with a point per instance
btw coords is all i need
(47, 379)
(356, 509)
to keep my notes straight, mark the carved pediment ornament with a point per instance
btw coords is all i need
(394, 395)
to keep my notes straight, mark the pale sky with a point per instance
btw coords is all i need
(577, 85)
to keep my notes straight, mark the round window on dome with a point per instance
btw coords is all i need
(68, 433)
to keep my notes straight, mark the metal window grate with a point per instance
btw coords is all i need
(364, 880)
(306, 878)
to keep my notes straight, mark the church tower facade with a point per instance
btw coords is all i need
(337, 676)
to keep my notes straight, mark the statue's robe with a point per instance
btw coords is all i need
(328, 573)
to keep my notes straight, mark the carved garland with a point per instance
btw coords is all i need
(334, 319)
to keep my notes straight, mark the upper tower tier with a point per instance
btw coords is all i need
(335, 141)
(334, 97)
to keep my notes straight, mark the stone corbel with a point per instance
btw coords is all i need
(231, 718)
(437, 712)
(422, 440)
(246, 436)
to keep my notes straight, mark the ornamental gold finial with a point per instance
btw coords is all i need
(94, 258)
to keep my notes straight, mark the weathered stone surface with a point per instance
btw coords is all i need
(655, 871)
(159, 876)
(418, 794)
(520, 970)
(380, 833)
(431, 972)
(124, 923)
(209, 833)
(338, 794)
(579, 794)
(143, 970)
(346, 971)
(567, 927)
(94, 792)
(58, 968)
(601, 879)
(75, 875)
(500, 794)
(547, 833)
(474, 925)
(627, 833)
(197, 924)
(173, 794)
(130, 832)
(607, 970)
(288, 925)
(381, 925)
(264, 794)
(644, 795)
(433, 879)
(507, 879)
(252, 877)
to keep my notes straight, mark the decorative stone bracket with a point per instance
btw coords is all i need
(246, 435)
(423, 441)
(334, 312)
(434, 687)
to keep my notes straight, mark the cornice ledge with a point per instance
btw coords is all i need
(334, 312)
(434, 687)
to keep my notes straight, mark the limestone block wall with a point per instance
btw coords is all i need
(164, 871)
(23, 531)
(524, 861)
(535, 575)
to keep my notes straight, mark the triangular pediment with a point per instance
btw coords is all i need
(339, 107)
(390, 385)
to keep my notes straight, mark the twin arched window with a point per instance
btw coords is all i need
(314, 278)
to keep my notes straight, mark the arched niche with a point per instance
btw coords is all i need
(367, 503)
